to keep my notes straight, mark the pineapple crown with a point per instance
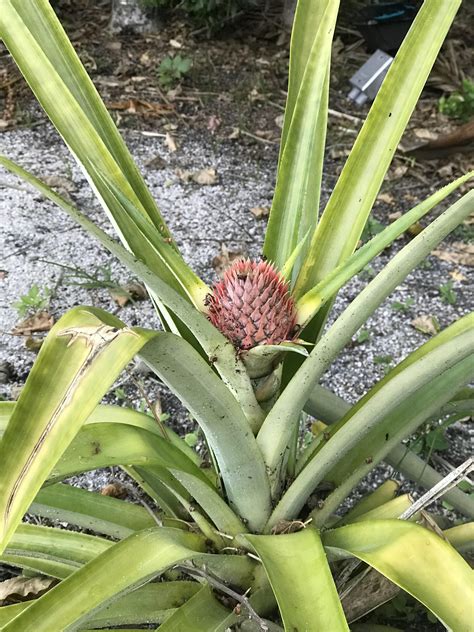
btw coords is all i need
(252, 305)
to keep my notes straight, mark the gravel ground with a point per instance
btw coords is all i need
(203, 219)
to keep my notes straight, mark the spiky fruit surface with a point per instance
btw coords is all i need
(252, 305)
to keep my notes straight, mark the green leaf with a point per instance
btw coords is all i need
(411, 557)
(327, 406)
(215, 507)
(388, 413)
(278, 427)
(202, 613)
(229, 436)
(89, 510)
(152, 603)
(299, 573)
(111, 574)
(79, 360)
(312, 301)
(347, 211)
(54, 552)
(296, 201)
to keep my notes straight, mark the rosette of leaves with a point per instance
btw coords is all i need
(251, 540)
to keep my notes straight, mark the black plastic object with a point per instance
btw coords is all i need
(384, 25)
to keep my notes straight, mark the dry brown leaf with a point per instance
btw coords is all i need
(386, 198)
(426, 324)
(235, 133)
(397, 172)
(260, 211)
(170, 142)
(424, 134)
(279, 120)
(457, 275)
(115, 490)
(129, 292)
(21, 588)
(62, 185)
(213, 123)
(202, 176)
(395, 215)
(222, 261)
(41, 321)
(141, 108)
(458, 252)
(205, 176)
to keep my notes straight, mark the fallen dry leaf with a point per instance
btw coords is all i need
(157, 162)
(397, 172)
(457, 275)
(260, 211)
(139, 107)
(279, 120)
(170, 142)
(222, 261)
(213, 123)
(175, 44)
(62, 185)
(386, 198)
(202, 176)
(458, 252)
(129, 292)
(235, 133)
(424, 134)
(395, 215)
(41, 321)
(21, 588)
(426, 324)
(115, 490)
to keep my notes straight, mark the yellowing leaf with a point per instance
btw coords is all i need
(426, 324)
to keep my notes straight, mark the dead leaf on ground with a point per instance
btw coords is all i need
(41, 321)
(141, 108)
(213, 123)
(279, 120)
(175, 44)
(18, 589)
(386, 198)
(424, 134)
(129, 292)
(457, 275)
(397, 172)
(204, 177)
(115, 490)
(157, 162)
(260, 211)
(458, 252)
(426, 324)
(235, 133)
(222, 261)
(170, 142)
(60, 184)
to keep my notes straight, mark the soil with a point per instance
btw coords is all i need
(225, 115)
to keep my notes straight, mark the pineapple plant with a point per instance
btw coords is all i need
(251, 538)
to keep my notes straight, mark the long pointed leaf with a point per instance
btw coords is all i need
(299, 573)
(296, 201)
(418, 561)
(79, 360)
(349, 206)
(278, 427)
(240, 462)
(107, 576)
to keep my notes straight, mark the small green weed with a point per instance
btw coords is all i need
(459, 105)
(34, 301)
(364, 335)
(448, 295)
(172, 69)
(404, 306)
(373, 227)
(385, 361)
